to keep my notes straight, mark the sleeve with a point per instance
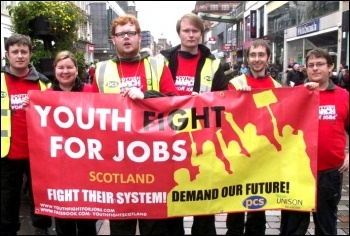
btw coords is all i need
(153, 94)
(220, 82)
(289, 75)
(166, 84)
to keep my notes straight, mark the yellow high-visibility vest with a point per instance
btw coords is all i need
(108, 78)
(207, 74)
(6, 115)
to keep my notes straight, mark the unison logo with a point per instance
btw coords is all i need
(254, 202)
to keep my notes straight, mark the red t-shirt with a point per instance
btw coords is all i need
(18, 89)
(333, 118)
(186, 74)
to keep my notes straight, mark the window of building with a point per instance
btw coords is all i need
(202, 8)
(247, 29)
(214, 7)
(225, 7)
(261, 22)
(299, 12)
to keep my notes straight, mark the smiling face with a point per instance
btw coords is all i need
(257, 59)
(127, 44)
(66, 73)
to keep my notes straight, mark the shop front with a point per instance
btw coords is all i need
(318, 33)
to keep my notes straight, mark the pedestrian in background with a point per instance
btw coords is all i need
(295, 77)
(332, 158)
(258, 55)
(17, 78)
(243, 69)
(203, 73)
(138, 76)
(228, 71)
(66, 79)
(91, 72)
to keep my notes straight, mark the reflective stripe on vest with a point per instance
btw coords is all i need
(241, 80)
(108, 79)
(207, 74)
(6, 115)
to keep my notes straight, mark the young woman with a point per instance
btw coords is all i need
(66, 79)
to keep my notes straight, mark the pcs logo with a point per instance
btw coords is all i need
(3, 94)
(112, 84)
(254, 202)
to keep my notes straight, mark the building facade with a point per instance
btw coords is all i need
(292, 28)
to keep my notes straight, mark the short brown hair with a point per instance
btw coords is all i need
(319, 53)
(123, 20)
(19, 39)
(258, 43)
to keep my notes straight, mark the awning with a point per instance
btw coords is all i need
(218, 18)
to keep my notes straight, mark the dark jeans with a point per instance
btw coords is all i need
(255, 225)
(147, 227)
(203, 225)
(75, 226)
(328, 196)
(12, 174)
(176, 226)
(329, 186)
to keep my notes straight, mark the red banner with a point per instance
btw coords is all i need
(106, 157)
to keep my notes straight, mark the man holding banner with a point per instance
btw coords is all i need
(258, 54)
(135, 75)
(332, 159)
(195, 70)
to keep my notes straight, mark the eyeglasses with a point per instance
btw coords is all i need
(123, 34)
(260, 55)
(318, 65)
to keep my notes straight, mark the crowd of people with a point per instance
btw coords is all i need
(159, 78)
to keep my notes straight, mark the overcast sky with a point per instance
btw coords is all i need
(161, 17)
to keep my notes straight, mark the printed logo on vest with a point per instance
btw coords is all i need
(208, 78)
(112, 84)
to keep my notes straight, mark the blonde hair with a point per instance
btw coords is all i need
(64, 55)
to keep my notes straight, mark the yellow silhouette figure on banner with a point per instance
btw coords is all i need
(276, 174)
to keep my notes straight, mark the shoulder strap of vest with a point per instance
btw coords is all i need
(239, 81)
(157, 66)
(5, 102)
(100, 71)
(44, 86)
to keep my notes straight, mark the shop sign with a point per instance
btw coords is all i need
(309, 27)
(212, 40)
(226, 47)
(90, 48)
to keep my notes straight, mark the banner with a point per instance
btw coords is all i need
(103, 156)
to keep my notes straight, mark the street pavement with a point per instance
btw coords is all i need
(272, 226)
